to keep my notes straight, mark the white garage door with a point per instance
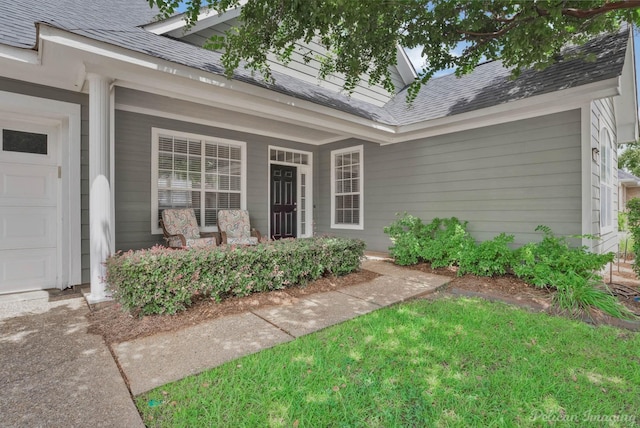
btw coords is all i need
(29, 206)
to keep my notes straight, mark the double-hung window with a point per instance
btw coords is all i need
(347, 188)
(199, 172)
(606, 181)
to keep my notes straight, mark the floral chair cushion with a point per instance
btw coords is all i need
(251, 240)
(176, 242)
(181, 222)
(235, 223)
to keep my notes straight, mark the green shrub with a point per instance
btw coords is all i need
(489, 258)
(408, 234)
(162, 280)
(633, 219)
(449, 242)
(552, 263)
(572, 272)
(441, 242)
(538, 263)
(622, 221)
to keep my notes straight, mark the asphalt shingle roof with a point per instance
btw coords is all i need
(624, 175)
(490, 84)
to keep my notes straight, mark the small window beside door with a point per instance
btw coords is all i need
(24, 142)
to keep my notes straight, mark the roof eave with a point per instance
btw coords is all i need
(176, 26)
(626, 105)
(23, 55)
(405, 68)
(538, 105)
(231, 93)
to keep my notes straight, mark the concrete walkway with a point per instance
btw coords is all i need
(53, 373)
(153, 361)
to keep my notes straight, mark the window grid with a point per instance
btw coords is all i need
(347, 188)
(198, 174)
(289, 157)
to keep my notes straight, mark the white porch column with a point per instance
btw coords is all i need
(100, 221)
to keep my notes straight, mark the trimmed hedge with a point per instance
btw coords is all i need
(164, 281)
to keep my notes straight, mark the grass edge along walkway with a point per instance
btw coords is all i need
(450, 362)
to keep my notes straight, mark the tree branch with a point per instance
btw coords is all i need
(607, 7)
(572, 12)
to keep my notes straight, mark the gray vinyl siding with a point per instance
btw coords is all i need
(504, 178)
(133, 174)
(48, 92)
(308, 71)
(602, 113)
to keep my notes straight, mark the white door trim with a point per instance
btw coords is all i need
(306, 169)
(68, 118)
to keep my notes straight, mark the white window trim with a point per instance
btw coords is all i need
(155, 134)
(605, 130)
(360, 225)
(301, 169)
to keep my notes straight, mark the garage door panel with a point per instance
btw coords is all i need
(31, 227)
(25, 270)
(26, 185)
(29, 199)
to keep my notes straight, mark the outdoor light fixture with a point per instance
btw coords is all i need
(594, 154)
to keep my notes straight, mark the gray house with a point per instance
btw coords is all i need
(108, 116)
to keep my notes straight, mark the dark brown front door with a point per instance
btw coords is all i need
(283, 201)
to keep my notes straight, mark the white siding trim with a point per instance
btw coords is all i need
(587, 164)
(405, 68)
(155, 133)
(360, 225)
(604, 130)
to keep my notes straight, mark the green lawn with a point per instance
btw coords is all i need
(462, 363)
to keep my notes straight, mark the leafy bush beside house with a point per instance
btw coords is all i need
(164, 281)
(551, 263)
(633, 223)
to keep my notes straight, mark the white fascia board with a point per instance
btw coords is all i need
(244, 96)
(23, 55)
(555, 102)
(211, 20)
(176, 26)
(626, 105)
(405, 68)
(166, 25)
